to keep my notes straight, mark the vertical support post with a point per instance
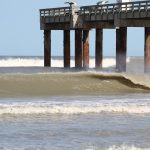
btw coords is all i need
(47, 48)
(86, 49)
(78, 48)
(99, 48)
(121, 49)
(147, 51)
(66, 48)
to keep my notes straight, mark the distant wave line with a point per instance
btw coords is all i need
(26, 62)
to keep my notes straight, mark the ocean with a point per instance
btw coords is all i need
(68, 109)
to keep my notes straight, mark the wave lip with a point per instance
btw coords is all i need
(71, 108)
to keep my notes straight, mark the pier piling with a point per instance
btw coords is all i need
(86, 49)
(99, 48)
(47, 48)
(121, 49)
(66, 48)
(147, 50)
(78, 48)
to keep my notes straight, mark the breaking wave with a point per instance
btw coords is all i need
(18, 80)
(57, 84)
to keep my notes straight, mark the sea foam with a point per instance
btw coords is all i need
(121, 147)
(76, 107)
(125, 147)
(38, 62)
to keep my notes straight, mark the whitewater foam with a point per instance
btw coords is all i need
(76, 107)
(38, 62)
(126, 147)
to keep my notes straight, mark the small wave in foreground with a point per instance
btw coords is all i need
(130, 106)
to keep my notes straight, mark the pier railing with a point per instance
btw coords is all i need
(108, 11)
(55, 12)
(105, 8)
(116, 7)
(61, 11)
(61, 14)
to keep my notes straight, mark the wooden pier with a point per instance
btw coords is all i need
(117, 16)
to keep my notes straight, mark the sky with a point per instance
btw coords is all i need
(20, 33)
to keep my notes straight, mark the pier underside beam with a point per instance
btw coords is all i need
(66, 48)
(47, 48)
(85, 49)
(147, 50)
(121, 49)
(78, 48)
(99, 48)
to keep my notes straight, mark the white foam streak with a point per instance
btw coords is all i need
(125, 147)
(73, 108)
(121, 147)
(20, 62)
(38, 62)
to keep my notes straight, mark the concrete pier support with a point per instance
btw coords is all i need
(47, 48)
(121, 49)
(99, 48)
(86, 49)
(147, 51)
(78, 48)
(66, 48)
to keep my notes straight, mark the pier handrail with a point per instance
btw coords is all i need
(60, 11)
(97, 9)
(116, 7)
(54, 11)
